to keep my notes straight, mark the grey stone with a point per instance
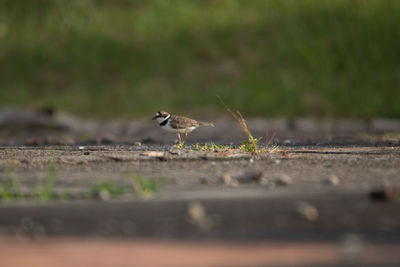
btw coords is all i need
(331, 180)
(307, 211)
(283, 180)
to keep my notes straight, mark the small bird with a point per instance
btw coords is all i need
(178, 124)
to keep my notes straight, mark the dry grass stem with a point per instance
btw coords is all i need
(268, 142)
(243, 124)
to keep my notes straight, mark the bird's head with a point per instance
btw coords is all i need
(161, 115)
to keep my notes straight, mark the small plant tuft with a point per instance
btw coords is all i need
(11, 190)
(146, 187)
(242, 122)
(180, 145)
(212, 146)
(110, 188)
(45, 191)
(249, 146)
(268, 140)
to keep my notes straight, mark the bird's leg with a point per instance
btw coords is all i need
(184, 136)
(179, 139)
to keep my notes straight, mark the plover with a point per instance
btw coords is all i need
(178, 124)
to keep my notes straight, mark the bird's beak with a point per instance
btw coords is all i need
(155, 117)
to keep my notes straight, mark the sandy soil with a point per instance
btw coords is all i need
(145, 253)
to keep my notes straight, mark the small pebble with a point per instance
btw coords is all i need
(104, 194)
(252, 176)
(196, 211)
(175, 151)
(152, 154)
(307, 211)
(32, 142)
(66, 140)
(205, 181)
(26, 161)
(352, 247)
(331, 180)
(137, 144)
(283, 180)
(385, 194)
(234, 179)
(228, 180)
(86, 153)
(106, 141)
(197, 215)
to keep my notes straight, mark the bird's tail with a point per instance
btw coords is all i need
(202, 123)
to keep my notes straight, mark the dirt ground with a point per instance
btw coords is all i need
(287, 195)
(356, 169)
(315, 198)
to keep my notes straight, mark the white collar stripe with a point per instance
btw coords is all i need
(165, 120)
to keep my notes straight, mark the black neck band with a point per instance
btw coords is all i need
(164, 122)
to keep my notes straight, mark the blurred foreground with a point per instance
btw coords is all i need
(291, 206)
(90, 253)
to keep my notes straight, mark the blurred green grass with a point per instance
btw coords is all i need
(130, 58)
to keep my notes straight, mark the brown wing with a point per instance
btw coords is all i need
(179, 122)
